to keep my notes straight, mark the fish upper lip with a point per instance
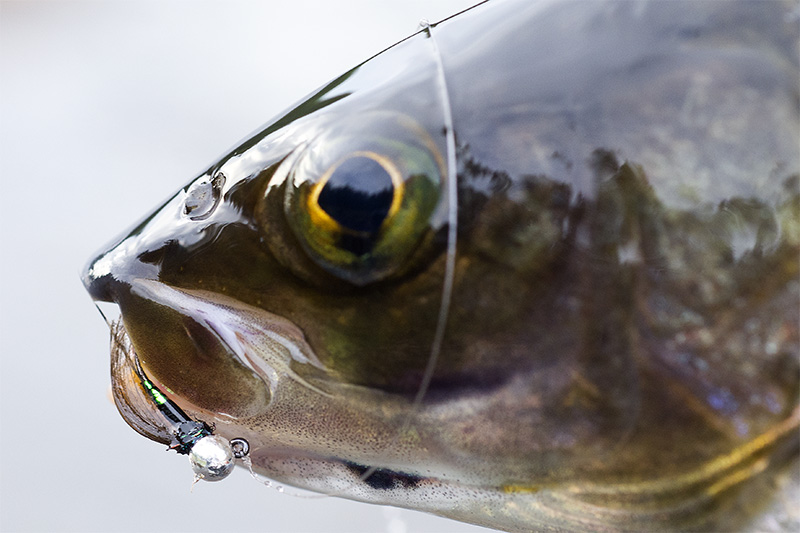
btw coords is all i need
(220, 313)
(256, 355)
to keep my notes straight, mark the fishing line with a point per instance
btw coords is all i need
(102, 314)
(452, 233)
(452, 223)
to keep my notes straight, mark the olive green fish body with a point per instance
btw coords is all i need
(537, 264)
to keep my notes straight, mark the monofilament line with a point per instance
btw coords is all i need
(452, 224)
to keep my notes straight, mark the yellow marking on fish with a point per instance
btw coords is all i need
(716, 467)
(737, 477)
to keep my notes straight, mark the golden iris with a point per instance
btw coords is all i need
(361, 202)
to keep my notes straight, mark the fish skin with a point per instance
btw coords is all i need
(621, 343)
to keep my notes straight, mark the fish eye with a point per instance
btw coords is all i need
(355, 197)
(361, 198)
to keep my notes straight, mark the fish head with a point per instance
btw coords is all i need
(298, 293)
(577, 339)
(291, 293)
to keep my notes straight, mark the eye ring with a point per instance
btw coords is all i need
(359, 197)
(321, 217)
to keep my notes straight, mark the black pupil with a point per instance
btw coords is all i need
(358, 195)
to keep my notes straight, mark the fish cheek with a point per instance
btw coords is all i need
(190, 361)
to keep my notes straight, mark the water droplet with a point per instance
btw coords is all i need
(202, 197)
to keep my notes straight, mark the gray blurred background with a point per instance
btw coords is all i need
(106, 108)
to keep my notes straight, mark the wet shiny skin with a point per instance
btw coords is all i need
(620, 347)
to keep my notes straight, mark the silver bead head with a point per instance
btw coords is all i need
(212, 458)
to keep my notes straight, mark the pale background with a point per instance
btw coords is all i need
(106, 108)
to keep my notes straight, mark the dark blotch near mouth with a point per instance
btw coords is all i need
(384, 479)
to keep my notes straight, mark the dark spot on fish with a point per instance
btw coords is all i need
(384, 479)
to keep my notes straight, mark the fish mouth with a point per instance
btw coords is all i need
(128, 390)
(217, 353)
(218, 357)
(285, 459)
(276, 394)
